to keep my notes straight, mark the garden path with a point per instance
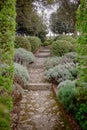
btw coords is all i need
(39, 108)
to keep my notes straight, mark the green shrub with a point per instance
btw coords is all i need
(35, 43)
(81, 109)
(53, 61)
(61, 47)
(67, 94)
(67, 58)
(45, 43)
(66, 83)
(21, 75)
(60, 73)
(67, 38)
(7, 36)
(81, 115)
(82, 44)
(24, 57)
(22, 42)
(71, 55)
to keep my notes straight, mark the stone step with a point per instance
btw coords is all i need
(44, 51)
(42, 55)
(38, 86)
(37, 66)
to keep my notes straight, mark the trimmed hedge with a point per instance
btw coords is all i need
(7, 34)
(35, 43)
(22, 42)
(60, 47)
(24, 57)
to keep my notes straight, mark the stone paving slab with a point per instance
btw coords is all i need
(46, 54)
(45, 51)
(39, 111)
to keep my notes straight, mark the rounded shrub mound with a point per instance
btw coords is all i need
(23, 56)
(60, 73)
(67, 94)
(21, 75)
(35, 43)
(60, 47)
(72, 56)
(46, 43)
(53, 61)
(66, 83)
(23, 42)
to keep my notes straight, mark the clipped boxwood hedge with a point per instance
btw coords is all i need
(22, 42)
(7, 34)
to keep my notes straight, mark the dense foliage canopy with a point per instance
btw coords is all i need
(65, 18)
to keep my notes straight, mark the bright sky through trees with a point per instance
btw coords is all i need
(45, 12)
